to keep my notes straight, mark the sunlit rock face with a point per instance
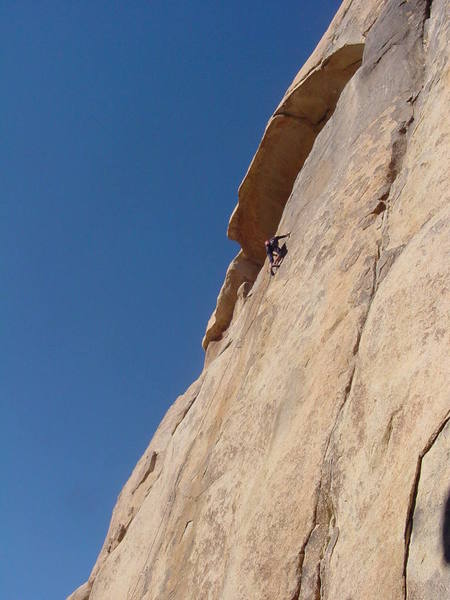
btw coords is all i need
(311, 457)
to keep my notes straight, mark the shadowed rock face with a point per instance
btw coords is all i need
(309, 460)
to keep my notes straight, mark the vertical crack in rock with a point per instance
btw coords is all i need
(319, 584)
(385, 259)
(382, 262)
(324, 495)
(318, 548)
(186, 528)
(333, 535)
(428, 5)
(301, 556)
(413, 500)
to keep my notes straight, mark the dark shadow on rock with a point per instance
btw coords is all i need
(446, 531)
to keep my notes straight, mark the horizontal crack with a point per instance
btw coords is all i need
(306, 120)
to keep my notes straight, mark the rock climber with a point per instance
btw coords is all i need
(273, 248)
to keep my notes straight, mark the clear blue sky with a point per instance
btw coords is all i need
(126, 129)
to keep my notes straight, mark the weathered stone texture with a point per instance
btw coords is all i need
(310, 459)
(427, 564)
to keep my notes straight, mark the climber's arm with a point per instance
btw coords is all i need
(280, 237)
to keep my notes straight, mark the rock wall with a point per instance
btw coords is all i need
(311, 457)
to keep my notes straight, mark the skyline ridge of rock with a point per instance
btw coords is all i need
(311, 458)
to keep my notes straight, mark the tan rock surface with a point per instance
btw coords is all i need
(304, 460)
(241, 270)
(428, 566)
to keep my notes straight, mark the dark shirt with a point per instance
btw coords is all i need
(273, 246)
(273, 243)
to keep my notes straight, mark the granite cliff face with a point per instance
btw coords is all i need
(311, 457)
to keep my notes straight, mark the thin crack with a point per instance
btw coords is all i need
(185, 528)
(413, 499)
(321, 493)
(398, 152)
(428, 5)
(319, 582)
(301, 556)
(347, 392)
(394, 168)
(148, 471)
